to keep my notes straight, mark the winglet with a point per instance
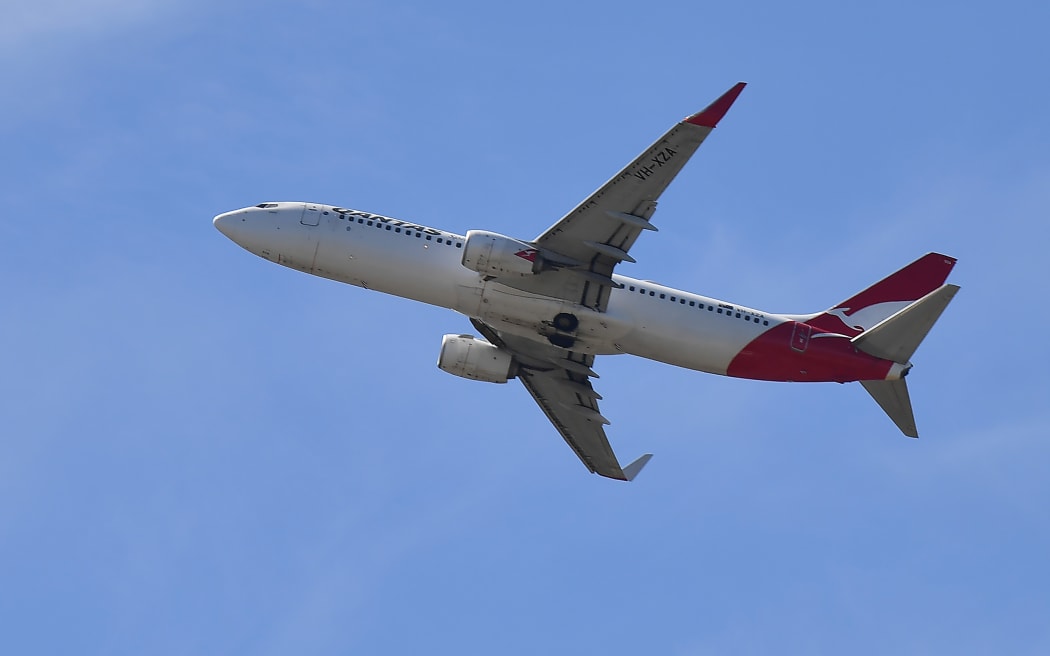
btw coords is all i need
(632, 470)
(714, 112)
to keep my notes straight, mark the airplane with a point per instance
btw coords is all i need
(548, 307)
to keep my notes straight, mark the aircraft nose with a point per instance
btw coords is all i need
(226, 223)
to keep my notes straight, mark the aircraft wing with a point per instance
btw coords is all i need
(559, 381)
(597, 235)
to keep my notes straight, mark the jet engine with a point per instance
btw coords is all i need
(491, 254)
(469, 357)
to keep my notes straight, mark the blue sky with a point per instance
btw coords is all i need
(202, 452)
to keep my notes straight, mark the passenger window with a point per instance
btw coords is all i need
(388, 227)
(652, 293)
(682, 301)
(765, 323)
(737, 315)
(693, 303)
(631, 288)
(397, 229)
(428, 237)
(672, 299)
(459, 244)
(720, 310)
(369, 223)
(663, 295)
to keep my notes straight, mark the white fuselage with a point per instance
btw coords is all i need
(515, 294)
(424, 264)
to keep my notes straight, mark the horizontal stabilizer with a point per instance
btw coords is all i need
(896, 337)
(892, 397)
(632, 470)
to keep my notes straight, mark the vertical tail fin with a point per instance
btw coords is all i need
(885, 298)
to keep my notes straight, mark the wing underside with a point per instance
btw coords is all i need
(559, 381)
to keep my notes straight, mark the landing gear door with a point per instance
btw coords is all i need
(311, 214)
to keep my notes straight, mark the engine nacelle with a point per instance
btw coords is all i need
(491, 254)
(469, 357)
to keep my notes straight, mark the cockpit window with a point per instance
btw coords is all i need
(266, 206)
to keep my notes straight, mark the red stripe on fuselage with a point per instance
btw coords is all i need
(827, 357)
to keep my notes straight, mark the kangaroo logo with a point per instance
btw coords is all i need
(867, 317)
(527, 254)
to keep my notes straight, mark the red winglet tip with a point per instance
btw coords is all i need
(714, 112)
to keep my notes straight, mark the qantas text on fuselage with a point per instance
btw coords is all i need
(546, 308)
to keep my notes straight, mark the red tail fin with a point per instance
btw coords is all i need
(886, 297)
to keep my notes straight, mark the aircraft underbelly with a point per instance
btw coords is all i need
(530, 315)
